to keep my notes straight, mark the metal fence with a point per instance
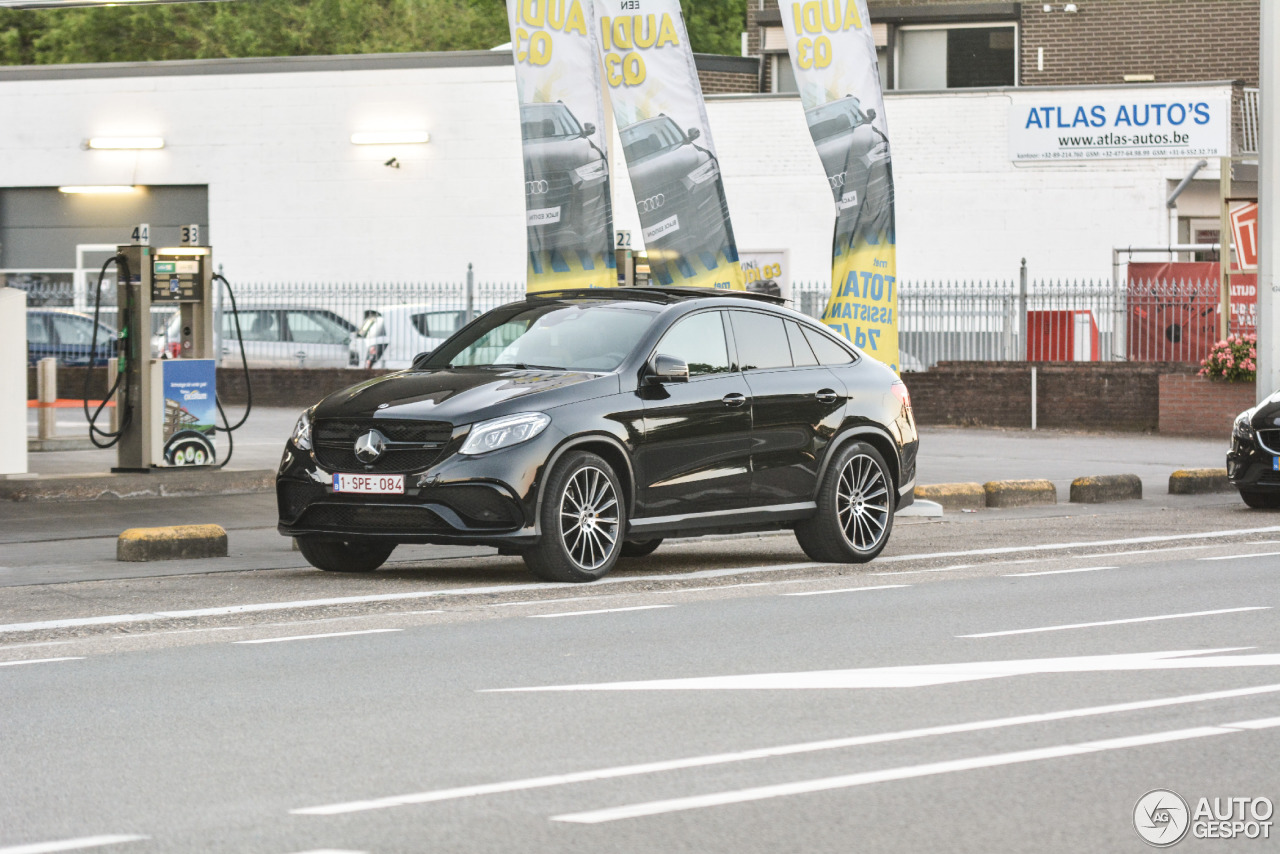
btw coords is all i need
(317, 324)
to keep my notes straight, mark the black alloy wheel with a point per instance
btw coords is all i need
(334, 555)
(640, 548)
(855, 508)
(582, 520)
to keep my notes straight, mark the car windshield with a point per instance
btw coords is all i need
(547, 121)
(646, 139)
(558, 336)
(835, 118)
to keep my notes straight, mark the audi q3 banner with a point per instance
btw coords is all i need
(833, 53)
(566, 169)
(666, 139)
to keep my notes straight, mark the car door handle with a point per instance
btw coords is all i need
(734, 399)
(826, 395)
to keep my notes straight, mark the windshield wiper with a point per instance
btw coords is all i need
(522, 366)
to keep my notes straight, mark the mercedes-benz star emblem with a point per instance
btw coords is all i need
(370, 446)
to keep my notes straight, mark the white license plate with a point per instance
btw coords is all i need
(369, 484)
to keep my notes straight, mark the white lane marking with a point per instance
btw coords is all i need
(1239, 557)
(602, 611)
(70, 844)
(31, 645)
(845, 590)
(1117, 622)
(907, 772)
(325, 635)
(543, 586)
(1180, 549)
(770, 752)
(1058, 571)
(939, 569)
(926, 675)
(331, 851)
(39, 661)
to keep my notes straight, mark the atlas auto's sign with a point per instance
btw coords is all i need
(1062, 126)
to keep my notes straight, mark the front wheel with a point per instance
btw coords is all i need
(1259, 500)
(582, 520)
(856, 501)
(334, 555)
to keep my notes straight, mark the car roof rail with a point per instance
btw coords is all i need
(653, 293)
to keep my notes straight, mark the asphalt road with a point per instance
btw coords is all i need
(1000, 681)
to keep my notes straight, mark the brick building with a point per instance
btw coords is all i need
(950, 44)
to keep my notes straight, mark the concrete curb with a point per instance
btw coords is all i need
(1104, 488)
(59, 443)
(160, 483)
(1199, 481)
(954, 496)
(182, 542)
(1020, 493)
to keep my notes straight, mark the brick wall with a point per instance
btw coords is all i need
(1176, 40)
(1072, 396)
(1195, 406)
(722, 83)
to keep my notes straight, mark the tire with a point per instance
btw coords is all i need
(856, 501)
(333, 555)
(582, 520)
(640, 548)
(1261, 500)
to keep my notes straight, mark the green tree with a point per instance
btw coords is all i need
(294, 28)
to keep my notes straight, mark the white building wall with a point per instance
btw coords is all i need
(291, 199)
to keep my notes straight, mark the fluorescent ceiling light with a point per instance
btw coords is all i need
(392, 137)
(114, 143)
(101, 190)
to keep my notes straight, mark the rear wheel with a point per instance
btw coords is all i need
(855, 508)
(582, 520)
(1259, 500)
(640, 548)
(334, 555)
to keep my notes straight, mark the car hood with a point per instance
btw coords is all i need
(666, 167)
(1266, 415)
(843, 151)
(464, 395)
(549, 156)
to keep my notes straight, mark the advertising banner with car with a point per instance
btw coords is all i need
(666, 139)
(833, 52)
(566, 169)
(189, 420)
(1053, 126)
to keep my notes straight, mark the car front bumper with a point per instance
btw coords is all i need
(488, 500)
(1251, 466)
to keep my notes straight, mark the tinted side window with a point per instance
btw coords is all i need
(75, 330)
(437, 324)
(801, 352)
(699, 341)
(260, 325)
(762, 341)
(37, 332)
(828, 351)
(312, 328)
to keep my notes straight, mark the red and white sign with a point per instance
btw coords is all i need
(1244, 233)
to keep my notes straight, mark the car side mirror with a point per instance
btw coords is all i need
(422, 357)
(668, 369)
(588, 129)
(693, 134)
(871, 116)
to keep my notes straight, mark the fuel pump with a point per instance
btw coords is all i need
(168, 408)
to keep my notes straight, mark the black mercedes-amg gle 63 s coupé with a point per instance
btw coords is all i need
(577, 427)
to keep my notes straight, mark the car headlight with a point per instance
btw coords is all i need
(704, 173)
(504, 432)
(591, 171)
(880, 152)
(302, 432)
(1243, 430)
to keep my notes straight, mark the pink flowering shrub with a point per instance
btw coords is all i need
(1234, 360)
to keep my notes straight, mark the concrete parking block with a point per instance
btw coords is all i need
(954, 496)
(181, 542)
(1199, 481)
(1101, 489)
(1020, 493)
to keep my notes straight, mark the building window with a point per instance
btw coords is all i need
(784, 75)
(956, 56)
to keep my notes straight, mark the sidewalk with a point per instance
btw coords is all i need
(947, 454)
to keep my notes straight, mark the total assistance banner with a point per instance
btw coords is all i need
(833, 53)
(566, 169)
(666, 139)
